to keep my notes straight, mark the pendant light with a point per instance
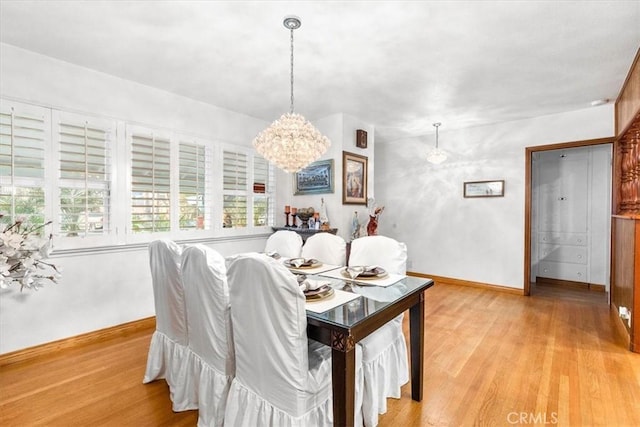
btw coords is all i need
(436, 155)
(291, 142)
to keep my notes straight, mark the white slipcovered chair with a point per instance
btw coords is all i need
(168, 348)
(384, 353)
(327, 248)
(282, 378)
(287, 243)
(211, 362)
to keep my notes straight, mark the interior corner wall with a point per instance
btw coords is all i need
(474, 239)
(341, 131)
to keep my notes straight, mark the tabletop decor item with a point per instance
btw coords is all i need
(22, 254)
(304, 214)
(374, 215)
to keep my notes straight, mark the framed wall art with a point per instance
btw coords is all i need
(354, 179)
(484, 188)
(317, 178)
(361, 138)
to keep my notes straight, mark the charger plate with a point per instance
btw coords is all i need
(322, 292)
(308, 263)
(377, 273)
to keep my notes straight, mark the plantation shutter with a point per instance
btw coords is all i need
(85, 180)
(23, 140)
(194, 205)
(234, 175)
(150, 184)
(262, 192)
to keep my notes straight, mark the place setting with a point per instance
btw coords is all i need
(372, 275)
(307, 265)
(321, 296)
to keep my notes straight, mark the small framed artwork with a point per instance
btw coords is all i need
(484, 188)
(361, 138)
(317, 178)
(354, 179)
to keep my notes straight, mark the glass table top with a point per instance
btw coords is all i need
(371, 300)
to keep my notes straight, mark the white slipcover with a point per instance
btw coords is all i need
(287, 243)
(211, 360)
(282, 379)
(168, 348)
(384, 353)
(327, 248)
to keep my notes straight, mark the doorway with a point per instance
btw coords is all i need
(547, 246)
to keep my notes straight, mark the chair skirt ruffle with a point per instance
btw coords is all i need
(247, 409)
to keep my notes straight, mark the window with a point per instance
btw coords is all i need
(262, 180)
(23, 148)
(84, 181)
(234, 176)
(193, 183)
(150, 183)
(103, 181)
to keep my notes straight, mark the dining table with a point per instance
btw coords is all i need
(343, 326)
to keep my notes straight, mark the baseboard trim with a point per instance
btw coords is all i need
(571, 284)
(31, 353)
(460, 282)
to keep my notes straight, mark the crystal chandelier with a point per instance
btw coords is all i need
(291, 142)
(436, 155)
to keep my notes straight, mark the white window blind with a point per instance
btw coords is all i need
(84, 149)
(150, 184)
(234, 177)
(193, 184)
(263, 177)
(23, 140)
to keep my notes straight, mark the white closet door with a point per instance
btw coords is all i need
(563, 193)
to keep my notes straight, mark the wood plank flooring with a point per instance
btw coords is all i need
(491, 359)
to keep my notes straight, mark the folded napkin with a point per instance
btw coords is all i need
(355, 271)
(297, 262)
(312, 284)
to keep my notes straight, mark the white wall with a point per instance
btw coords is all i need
(31, 77)
(341, 130)
(481, 239)
(107, 288)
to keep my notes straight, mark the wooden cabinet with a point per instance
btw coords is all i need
(626, 273)
(625, 260)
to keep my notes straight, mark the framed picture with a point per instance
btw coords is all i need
(361, 138)
(317, 178)
(354, 179)
(484, 189)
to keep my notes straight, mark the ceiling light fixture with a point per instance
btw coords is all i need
(291, 142)
(436, 155)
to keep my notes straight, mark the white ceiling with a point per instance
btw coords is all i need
(399, 65)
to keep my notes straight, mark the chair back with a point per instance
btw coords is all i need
(383, 251)
(287, 243)
(207, 301)
(326, 248)
(269, 331)
(168, 290)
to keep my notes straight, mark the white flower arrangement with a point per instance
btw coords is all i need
(22, 255)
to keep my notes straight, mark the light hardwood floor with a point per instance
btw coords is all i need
(491, 358)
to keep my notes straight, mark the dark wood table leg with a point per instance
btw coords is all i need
(416, 330)
(343, 359)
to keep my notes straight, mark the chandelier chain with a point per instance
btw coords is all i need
(291, 107)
